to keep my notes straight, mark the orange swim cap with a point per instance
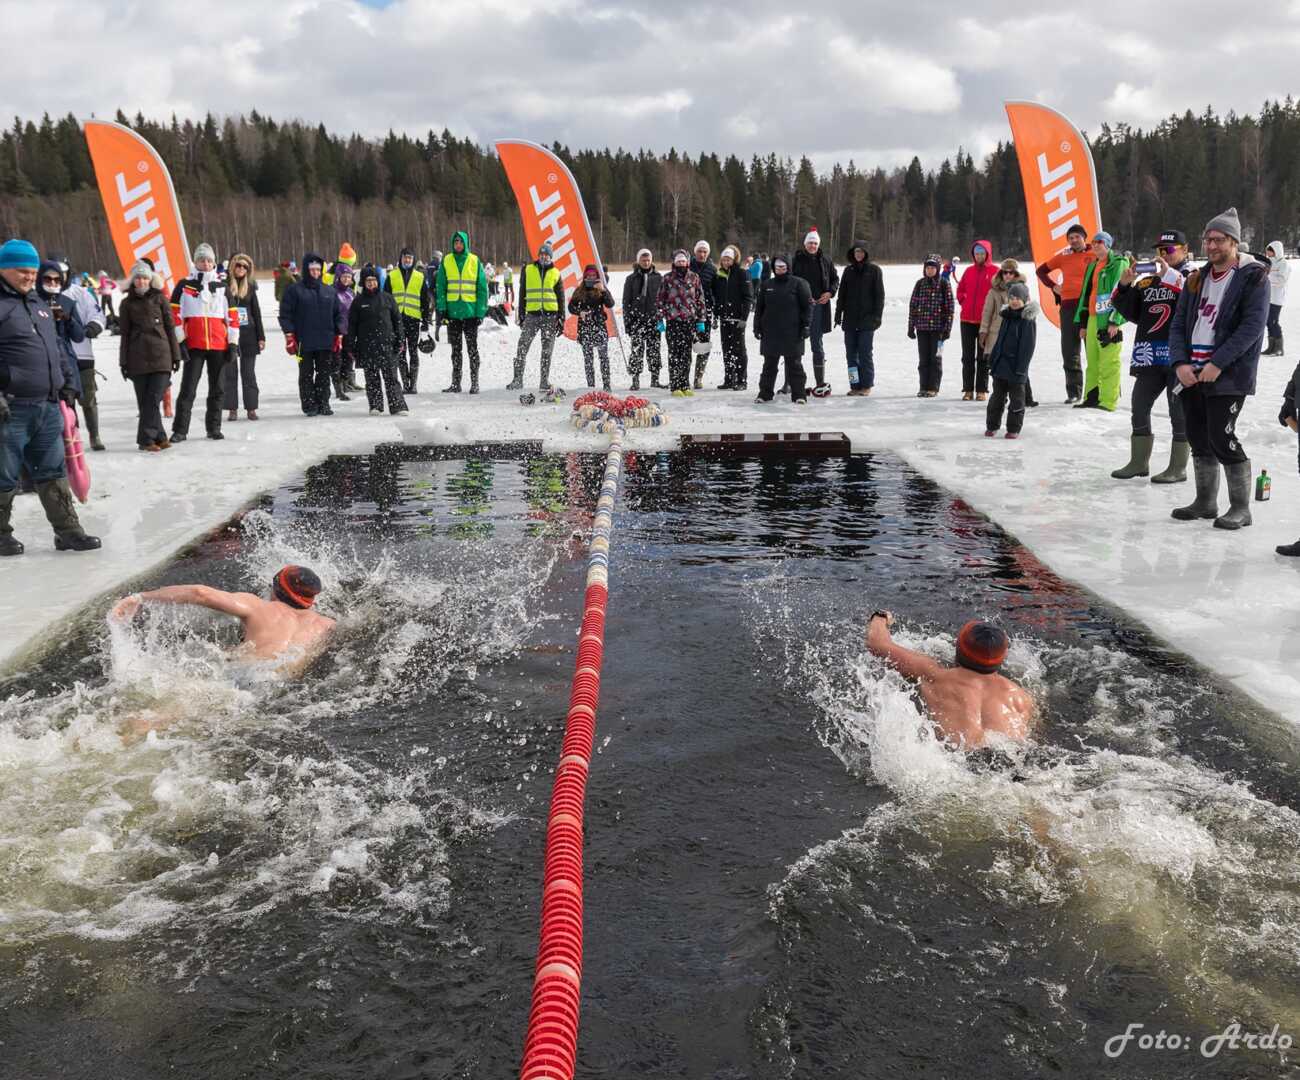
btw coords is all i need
(981, 647)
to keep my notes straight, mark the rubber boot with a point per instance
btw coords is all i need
(655, 369)
(819, 380)
(454, 388)
(636, 381)
(1206, 504)
(8, 545)
(700, 361)
(545, 382)
(1092, 401)
(1139, 458)
(1292, 550)
(1272, 349)
(56, 498)
(340, 390)
(91, 414)
(517, 383)
(1238, 515)
(473, 376)
(1280, 350)
(1179, 452)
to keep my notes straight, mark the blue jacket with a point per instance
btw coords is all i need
(1238, 330)
(1014, 349)
(310, 311)
(34, 365)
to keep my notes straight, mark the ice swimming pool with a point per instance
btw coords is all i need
(786, 875)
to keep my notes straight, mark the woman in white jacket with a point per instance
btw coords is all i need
(1278, 273)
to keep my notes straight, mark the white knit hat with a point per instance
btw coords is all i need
(204, 251)
(813, 237)
(728, 250)
(702, 244)
(645, 251)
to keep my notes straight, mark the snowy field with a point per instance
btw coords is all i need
(1224, 598)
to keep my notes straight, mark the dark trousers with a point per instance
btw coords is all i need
(381, 379)
(1010, 396)
(31, 437)
(1070, 349)
(1148, 384)
(645, 347)
(680, 335)
(149, 390)
(929, 365)
(463, 334)
(815, 333)
(974, 364)
(795, 377)
(242, 373)
(1212, 424)
(858, 352)
(1274, 323)
(408, 352)
(315, 370)
(593, 343)
(196, 362)
(735, 357)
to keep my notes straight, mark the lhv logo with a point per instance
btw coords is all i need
(550, 216)
(137, 206)
(1057, 184)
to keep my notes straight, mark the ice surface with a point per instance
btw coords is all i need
(1224, 598)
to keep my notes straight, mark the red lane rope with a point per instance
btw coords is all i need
(551, 1043)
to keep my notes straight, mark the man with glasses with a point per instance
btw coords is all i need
(1099, 325)
(1214, 346)
(1070, 264)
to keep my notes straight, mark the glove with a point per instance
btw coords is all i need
(839, 317)
(559, 324)
(290, 345)
(943, 337)
(758, 333)
(701, 327)
(446, 320)
(424, 326)
(125, 376)
(1287, 412)
(911, 332)
(660, 326)
(68, 395)
(4, 409)
(93, 330)
(338, 343)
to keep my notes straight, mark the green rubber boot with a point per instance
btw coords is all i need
(1139, 458)
(1206, 504)
(1179, 452)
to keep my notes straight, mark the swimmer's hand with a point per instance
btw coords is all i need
(888, 616)
(126, 607)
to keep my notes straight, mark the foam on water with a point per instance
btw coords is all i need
(236, 804)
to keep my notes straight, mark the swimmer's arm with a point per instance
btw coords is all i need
(909, 664)
(241, 605)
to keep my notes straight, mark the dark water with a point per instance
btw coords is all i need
(786, 875)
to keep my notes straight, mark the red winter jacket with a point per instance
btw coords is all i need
(974, 285)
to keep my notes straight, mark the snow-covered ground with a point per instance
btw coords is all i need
(1224, 598)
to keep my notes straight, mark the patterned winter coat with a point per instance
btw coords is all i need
(681, 297)
(931, 306)
(589, 305)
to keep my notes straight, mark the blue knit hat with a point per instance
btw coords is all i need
(1105, 238)
(18, 255)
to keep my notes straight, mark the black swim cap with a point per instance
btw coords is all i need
(296, 586)
(981, 647)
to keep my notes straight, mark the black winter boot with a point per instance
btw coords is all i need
(1293, 550)
(1238, 515)
(454, 388)
(1206, 504)
(56, 498)
(473, 376)
(8, 545)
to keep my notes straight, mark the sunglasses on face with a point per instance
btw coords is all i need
(51, 281)
(1168, 249)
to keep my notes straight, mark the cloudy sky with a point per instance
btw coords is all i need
(875, 82)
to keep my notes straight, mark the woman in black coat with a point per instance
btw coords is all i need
(640, 295)
(782, 317)
(374, 330)
(241, 294)
(732, 297)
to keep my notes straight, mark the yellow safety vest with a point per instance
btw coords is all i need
(539, 292)
(408, 295)
(462, 281)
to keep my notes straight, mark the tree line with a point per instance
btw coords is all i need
(277, 189)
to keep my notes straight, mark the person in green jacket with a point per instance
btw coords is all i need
(461, 297)
(1099, 325)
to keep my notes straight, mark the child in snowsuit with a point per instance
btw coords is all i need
(1009, 362)
(589, 302)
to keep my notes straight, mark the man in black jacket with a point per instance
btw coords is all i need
(781, 319)
(816, 268)
(703, 268)
(310, 318)
(858, 308)
(36, 374)
(640, 291)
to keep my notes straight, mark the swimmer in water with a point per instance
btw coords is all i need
(968, 702)
(284, 627)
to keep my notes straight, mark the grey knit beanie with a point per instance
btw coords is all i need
(204, 251)
(1019, 290)
(1227, 223)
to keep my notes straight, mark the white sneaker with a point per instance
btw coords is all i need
(376, 412)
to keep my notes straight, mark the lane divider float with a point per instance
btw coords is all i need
(551, 1043)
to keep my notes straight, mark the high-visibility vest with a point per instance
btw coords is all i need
(539, 291)
(462, 281)
(408, 295)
